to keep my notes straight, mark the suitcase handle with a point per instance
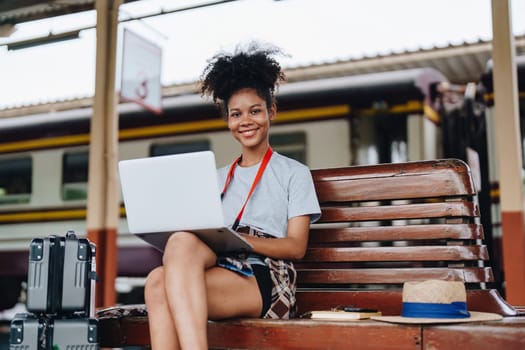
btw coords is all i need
(70, 234)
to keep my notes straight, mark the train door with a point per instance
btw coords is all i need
(467, 125)
(393, 138)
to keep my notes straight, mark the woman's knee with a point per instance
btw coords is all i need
(185, 247)
(154, 287)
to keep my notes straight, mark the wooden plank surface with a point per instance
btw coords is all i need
(375, 189)
(389, 181)
(395, 233)
(411, 253)
(275, 334)
(389, 301)
(451, 166)
(118, 332)
(393, 275)
(507, 334)
(399, 212)
(300, 334)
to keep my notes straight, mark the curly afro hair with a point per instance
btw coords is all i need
(253, 68)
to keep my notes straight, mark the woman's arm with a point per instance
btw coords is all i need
(293, 247)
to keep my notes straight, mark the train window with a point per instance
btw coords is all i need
(75, 175)
(292, 144)
(379, 139)
(15, 180)
(179, 147)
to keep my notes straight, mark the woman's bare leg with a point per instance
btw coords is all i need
(161, 326)
(188, 289)
(232, 295)
(186, 258)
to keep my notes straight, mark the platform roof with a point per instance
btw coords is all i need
(13, 12)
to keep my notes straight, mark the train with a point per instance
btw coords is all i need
(385, 117)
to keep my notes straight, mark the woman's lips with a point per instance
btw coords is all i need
(248, 133)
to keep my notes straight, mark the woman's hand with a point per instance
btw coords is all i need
(293, 247)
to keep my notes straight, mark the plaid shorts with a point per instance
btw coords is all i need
(283, 276)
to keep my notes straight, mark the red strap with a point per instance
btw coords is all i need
(258, 176)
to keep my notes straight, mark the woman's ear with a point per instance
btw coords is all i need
(273, 111)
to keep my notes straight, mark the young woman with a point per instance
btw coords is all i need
(267, 197)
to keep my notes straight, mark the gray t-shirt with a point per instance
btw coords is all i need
(285, 190)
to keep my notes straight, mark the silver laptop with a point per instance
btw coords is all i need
(173, 193)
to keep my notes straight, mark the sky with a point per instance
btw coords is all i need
(308, 31)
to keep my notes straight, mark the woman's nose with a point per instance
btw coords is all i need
(245, 118)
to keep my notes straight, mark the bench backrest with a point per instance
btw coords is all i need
(386, 224)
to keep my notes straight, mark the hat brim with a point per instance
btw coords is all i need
(474, 317)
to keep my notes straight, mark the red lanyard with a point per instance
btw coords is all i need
(258, 176)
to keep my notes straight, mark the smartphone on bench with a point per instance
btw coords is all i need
(358, 309)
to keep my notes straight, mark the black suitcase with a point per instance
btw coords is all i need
(29, 333)
(61, 275)
(80, 333)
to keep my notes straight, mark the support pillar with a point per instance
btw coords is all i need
(103, 191)
(508, 151)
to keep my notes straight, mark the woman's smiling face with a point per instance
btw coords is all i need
(249, 118)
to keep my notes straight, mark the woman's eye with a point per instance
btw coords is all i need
(256, 111)
(235, 115)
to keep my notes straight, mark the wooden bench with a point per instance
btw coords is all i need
(381, 225)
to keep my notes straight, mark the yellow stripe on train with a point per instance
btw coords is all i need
(63, 214)
(48, 215)
(177, 128)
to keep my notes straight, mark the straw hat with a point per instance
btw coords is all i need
(436, 301)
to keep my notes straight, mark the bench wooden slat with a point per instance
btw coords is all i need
(413, 253)
(484, 300)
(400, 212)
(394, 188)
(396, 233)
(272, 334)
(301, 334)
(508, 333)
(393, 276)
(455, 168)
(122, 330)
